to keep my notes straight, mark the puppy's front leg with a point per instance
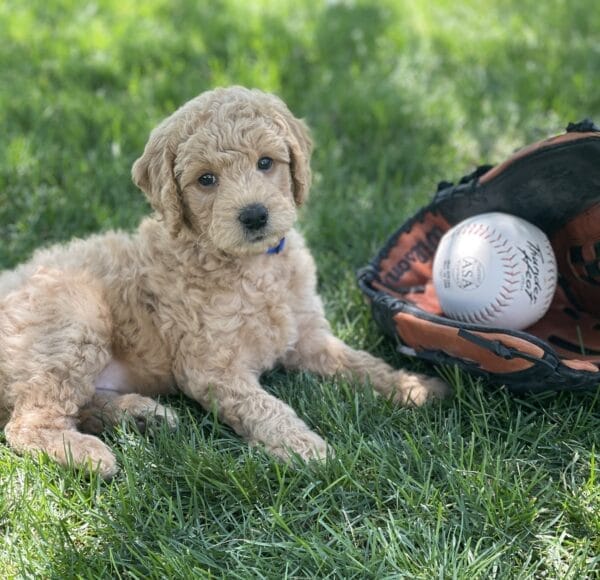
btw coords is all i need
(253, 413)
(317, 350)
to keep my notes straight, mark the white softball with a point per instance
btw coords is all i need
(495, 269)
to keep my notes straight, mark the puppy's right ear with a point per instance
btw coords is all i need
(154, 174)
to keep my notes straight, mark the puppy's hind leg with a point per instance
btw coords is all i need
(57, 334)
(52, 430)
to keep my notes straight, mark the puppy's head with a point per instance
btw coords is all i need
(231, 166)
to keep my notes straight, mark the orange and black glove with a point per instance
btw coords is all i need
(554, 184)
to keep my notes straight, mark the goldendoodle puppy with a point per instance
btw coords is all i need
(212, 290)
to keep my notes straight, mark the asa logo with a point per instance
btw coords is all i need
(469, 273)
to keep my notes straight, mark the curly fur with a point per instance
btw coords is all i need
(91, 330)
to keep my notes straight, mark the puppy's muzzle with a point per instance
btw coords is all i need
(254, 217)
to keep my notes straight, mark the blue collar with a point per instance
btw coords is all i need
(278, 248)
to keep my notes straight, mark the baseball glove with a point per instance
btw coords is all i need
(554, 184)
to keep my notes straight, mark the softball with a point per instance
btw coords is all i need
(495, 269)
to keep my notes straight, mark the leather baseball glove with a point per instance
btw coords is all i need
(554, 184)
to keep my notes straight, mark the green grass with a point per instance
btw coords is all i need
(400, 95)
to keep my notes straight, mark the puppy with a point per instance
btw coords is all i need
(212, 290)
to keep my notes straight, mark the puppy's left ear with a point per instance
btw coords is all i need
(154, 174)
(300, 147)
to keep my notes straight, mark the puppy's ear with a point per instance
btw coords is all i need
(300, 146)
(154, 174)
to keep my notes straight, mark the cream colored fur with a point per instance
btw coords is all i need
(91, 330)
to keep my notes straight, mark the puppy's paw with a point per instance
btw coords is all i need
(415, 389)
(86, 451)
(306, 445)
(142, 411)
(152, 413)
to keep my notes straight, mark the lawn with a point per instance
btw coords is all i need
(400, 95)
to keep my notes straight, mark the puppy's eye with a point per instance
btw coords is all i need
(207, 179)
(264, 163)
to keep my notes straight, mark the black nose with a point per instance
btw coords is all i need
(254, 217)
